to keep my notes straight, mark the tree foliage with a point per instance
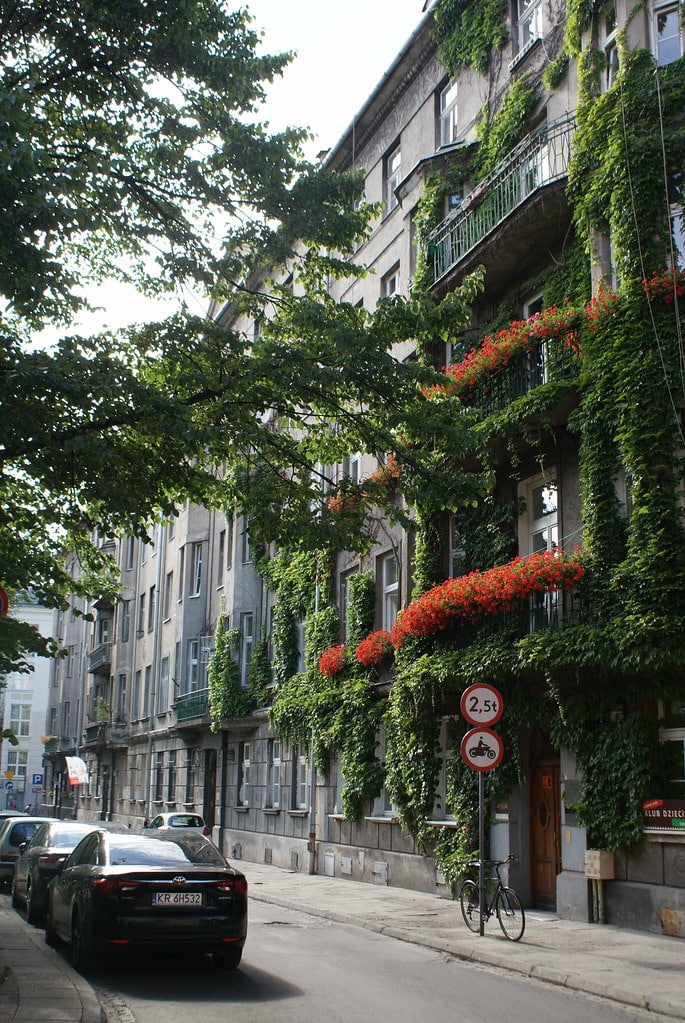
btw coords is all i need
(130, 147)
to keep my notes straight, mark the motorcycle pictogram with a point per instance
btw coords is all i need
(482, 750)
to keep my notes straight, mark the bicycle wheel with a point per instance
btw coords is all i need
(510, 914)
(470, 905)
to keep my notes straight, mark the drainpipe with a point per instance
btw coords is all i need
(156, 640)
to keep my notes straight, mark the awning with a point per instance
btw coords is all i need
(77, 771)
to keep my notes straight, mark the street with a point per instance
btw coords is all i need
(302, 968)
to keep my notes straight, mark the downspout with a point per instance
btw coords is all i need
(156, 639)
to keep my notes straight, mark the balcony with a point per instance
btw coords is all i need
(534, 165)
(93, 735)
(549, 360)
(100, 659)
(192, 709)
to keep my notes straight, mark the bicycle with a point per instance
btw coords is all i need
(501, 901)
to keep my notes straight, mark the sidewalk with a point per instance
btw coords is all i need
(642, 970)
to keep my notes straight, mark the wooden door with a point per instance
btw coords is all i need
(545, 832)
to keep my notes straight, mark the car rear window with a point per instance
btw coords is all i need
(162, 853)
(185, 820)
(69, 837)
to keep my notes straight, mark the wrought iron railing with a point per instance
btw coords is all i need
(192, 705)
(538, 160)
(548, 360)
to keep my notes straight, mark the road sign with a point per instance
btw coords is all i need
(9, 785)
(37, 779)
(9, 775)
(482, 749)
(482, 704)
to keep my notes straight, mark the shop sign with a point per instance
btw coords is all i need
(664, 814)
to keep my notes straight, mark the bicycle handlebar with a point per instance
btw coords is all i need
(494, 863)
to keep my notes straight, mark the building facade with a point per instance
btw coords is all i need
(548, 158)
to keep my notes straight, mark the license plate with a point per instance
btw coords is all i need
(177, 899)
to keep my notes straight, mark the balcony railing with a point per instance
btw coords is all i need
(100, 659)
(191, 706)
(549, 360)
(535, 162)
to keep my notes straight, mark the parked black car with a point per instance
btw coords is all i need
(125, 889)
(38, 860)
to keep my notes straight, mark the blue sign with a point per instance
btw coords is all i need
(9, 785)
(37, 779)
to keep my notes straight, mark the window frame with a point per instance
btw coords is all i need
(392, 175)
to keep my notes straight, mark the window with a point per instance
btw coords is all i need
(352, 467)
(66, 720)
(125, 621)
(129, 553)
(676, 199)
(171, 777)
(196, 570)
(221, 559)
(69, 666)
(20, 719)
(344, 604)
(672, 733)
(159, 777)
(273, 779)
(448, 114)
(146, 690)
(151, 604)
(610, 48)
(301, 644)
(540, 532)
(538, 357)
(457, 553)
(168, 595)
(102, 631)
(392, 169)
(122, 697)
(141, 614)
(133, 777)
(246, 644)
(243, 774)
(229, 543)
(245, 549)
(383, 806)
(163, 695)
(193, 665)
(445, 757)
(17, 761)
(529, 23)
(668, 34)
(390, 284)
(181, 573)
(389, 590)
(171, 528)
(300, 788)
(135, 700)
(191, 761)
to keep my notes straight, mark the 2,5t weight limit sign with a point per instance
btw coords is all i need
(482, 704)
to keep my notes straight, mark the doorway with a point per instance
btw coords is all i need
(209, 794)
(545, 832)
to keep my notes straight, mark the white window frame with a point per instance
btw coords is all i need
(382, 804)
(663, 47)
(196, 576)
(390, 283)
(300, 786)
(168, 595)
(125, 621)
(20, 719)
(221, 559)
(193, 665)
(164, 676)
(17, 761)
(392, 175)
(273, 780)
(610, 47)
(445, 755)
(448, 113)
(529, 24)
(538, 533)
(390, 589)
(244, 764)
(538, 358)
(247, 641)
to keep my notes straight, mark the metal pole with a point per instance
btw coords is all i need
(481, 851)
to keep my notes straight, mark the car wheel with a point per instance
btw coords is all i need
(33, 912)
(50, 933)
(81, 955)
(228, 959)
(16, 901)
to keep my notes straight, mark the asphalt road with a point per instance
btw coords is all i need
(304, 969)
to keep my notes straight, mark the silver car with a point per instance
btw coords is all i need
(14, 832)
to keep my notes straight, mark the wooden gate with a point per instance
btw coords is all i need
(545, 832)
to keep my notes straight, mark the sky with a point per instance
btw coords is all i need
(342, 53)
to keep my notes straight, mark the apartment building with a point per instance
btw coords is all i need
(551, 160)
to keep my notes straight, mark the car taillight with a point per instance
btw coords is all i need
(236, 885)
(10, 858)
(206, 832)
(50, 859)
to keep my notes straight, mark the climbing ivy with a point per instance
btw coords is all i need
(467, 31)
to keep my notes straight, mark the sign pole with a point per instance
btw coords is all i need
(481, 851)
